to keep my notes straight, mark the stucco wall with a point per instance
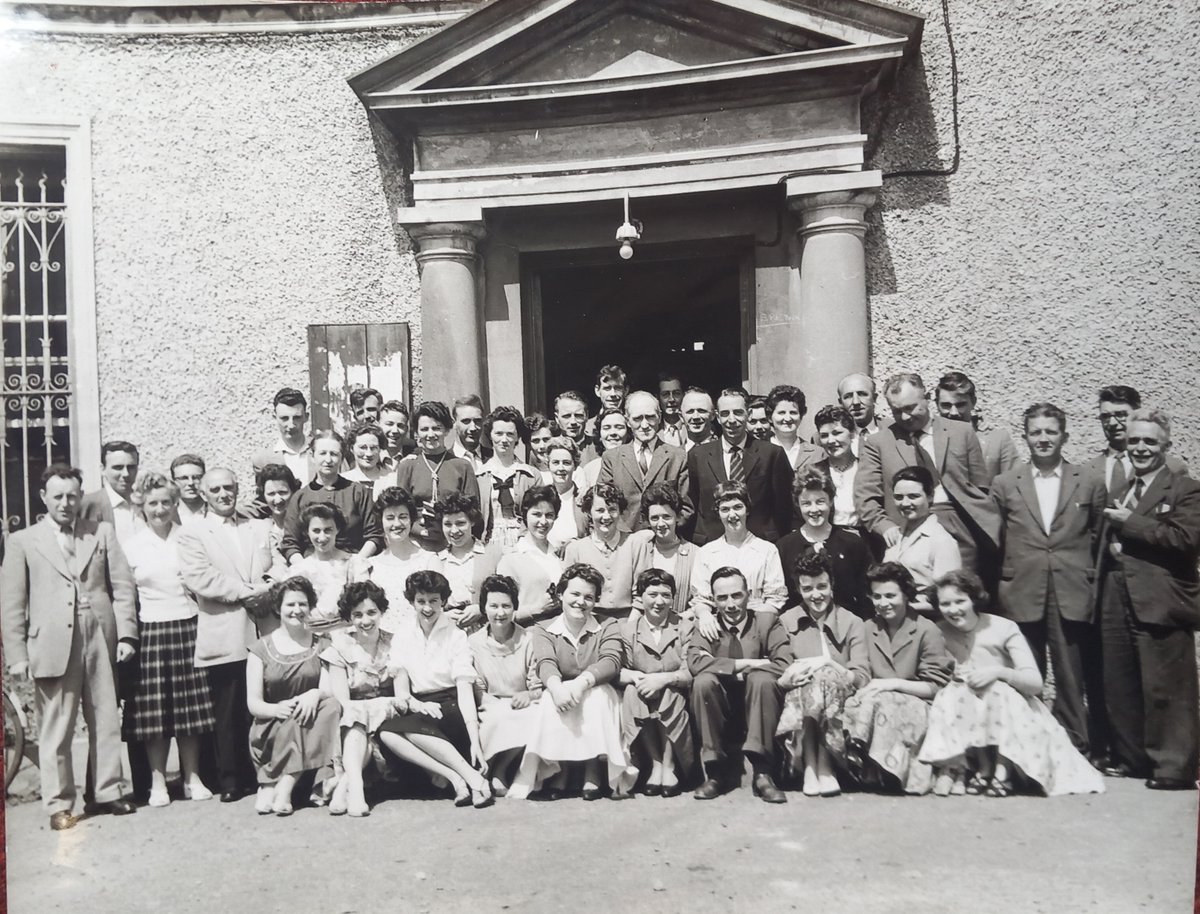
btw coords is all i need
(1063, 254)
(239, 196)
(238, 199)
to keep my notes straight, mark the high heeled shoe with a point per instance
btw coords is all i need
(481, 797)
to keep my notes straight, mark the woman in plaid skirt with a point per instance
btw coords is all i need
(171, 697)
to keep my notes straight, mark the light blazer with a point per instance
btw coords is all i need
(668, 464)
(96, 506)
(37, 594)
(959, 460)
(1032, 558)
(221, 579)
(1160, 546)
(524, 478)
(768, 482)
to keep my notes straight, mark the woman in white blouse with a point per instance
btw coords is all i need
(562, 457)
(364, 444)
(925, 547)
(437, 727)
(836, 430)
(171, 697)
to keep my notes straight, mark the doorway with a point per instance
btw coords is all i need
(668, 310)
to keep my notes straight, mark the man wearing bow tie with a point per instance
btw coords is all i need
(1149, 597)
(645, 461)
(68, 612)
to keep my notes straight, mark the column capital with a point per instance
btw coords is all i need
(833, 203)
(446, 240)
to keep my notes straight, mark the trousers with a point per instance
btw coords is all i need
(735, 715)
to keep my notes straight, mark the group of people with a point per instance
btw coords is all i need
(645, 600)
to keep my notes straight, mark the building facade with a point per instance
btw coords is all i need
(821, 187)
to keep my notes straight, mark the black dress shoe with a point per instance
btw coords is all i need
(121, 807)
(1118, 770)
(1170, 784)
(231, 796)
(709, 790)
(592, 793)
(765, 787)
(653, 790)
(673, 791)
(62, 820)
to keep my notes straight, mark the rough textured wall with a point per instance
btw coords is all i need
(238, 198)
(1063, 254)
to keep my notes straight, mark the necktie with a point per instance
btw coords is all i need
(922, 457)
(644, 460)
(737, 471)
(1119, 476)
(1136, 488)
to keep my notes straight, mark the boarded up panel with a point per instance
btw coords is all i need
(345, 357)
(318, 376)
(388, 361)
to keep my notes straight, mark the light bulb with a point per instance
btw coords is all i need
(626, 251)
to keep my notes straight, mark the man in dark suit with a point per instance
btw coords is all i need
(645, 461)
(735, 698)
(762, 467)
(69, 616)
(1149, 594)
(1048, 528)
(1112, 464)
(951, 453)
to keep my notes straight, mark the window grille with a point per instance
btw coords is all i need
(36, 399)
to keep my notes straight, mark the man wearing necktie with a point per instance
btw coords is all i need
(735, 457)
(1112, 464)
(68, 613)
(951, 453)
(645, 461)
(1149, 599)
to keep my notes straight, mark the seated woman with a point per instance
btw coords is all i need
(562, 458)
(289, 696)
(365, 443)
(829, 644)
(275, 484)
(533, 564)
(540, 434)
(578, 719)
(925, 547)
(654, 704)
(434, 679)
(612, 430)
(812, 496)
(606, 549)
(401, 556)
(170, 697)
(878, 734)
(327, 567)
(358, 676)
(662, 547)
(433, 472)
(465, 560)
(505, 680)
(988, 722)
(503, 480)
(835, 431)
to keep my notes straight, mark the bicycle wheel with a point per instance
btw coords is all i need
(14, 741)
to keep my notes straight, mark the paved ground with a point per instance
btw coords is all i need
(1131, 850)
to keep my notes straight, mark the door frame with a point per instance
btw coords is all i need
(534, 263)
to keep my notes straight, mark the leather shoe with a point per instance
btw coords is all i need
(591, 793)
(232, 796)
(121, 807)
(1170, 784)
(652, 790)
(1118, 770)
(765, 787)
(709, 790)
(673, 791)
(62, 820)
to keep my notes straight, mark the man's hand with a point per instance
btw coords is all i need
(891, 536)
(19, 671)
(706, 623)
(1117, 516)
(125, 650)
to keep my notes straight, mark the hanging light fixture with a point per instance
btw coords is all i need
(628, 233)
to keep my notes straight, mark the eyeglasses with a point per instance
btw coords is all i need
(1114, 417)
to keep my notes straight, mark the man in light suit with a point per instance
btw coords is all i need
(225, 560)
(645, 461)
(1112, 464)
(1149, 597)
(111, 503)
(1048, 529)
(951, 453)
(69, 616)
(760, 466)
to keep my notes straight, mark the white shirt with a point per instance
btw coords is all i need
(1110, 463)
(154, 562)
(756, 558)
(861, 434)
(296, 461)
(559, 627)
(472, 457)
(925, 440)
(565, 527)
(845, 514)
(1147, 478)
(226, 528)
(126, 520)
(674, 434)
(1048, 486)
(727, 452)
(188, 515)
(461, 574)
(390, 573)
(793, 452)
(928, 552)
(439, 661)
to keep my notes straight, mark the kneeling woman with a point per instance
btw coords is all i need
(989, 721)
(288, 693)
(579, 715)
(884, 723)
(434, 680)
(505, 680)
(829, 643)
(654, 705)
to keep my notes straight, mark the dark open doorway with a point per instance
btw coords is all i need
(677, 311)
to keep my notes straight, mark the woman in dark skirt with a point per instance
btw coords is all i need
(437, 727)
(171, 697)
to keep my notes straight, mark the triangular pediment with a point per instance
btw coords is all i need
(535, 43)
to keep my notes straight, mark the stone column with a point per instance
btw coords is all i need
(830, 288)
(451, 318)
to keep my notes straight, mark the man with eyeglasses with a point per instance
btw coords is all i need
(186, 472)
(1117, 401)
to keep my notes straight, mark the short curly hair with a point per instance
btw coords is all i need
(811, 479)
(606, 492)
(355, 592)
(538, 494)
(436, 410)
(500, 583)
(966, 581)
(654, 577)
(426, 582)
(893, 573)
(324, 511)
(396, 497)
(665, 494)
(584, 572)
(506, 414)
(298, 583)
(812, 563)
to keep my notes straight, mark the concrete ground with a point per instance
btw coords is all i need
(1130, 850)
